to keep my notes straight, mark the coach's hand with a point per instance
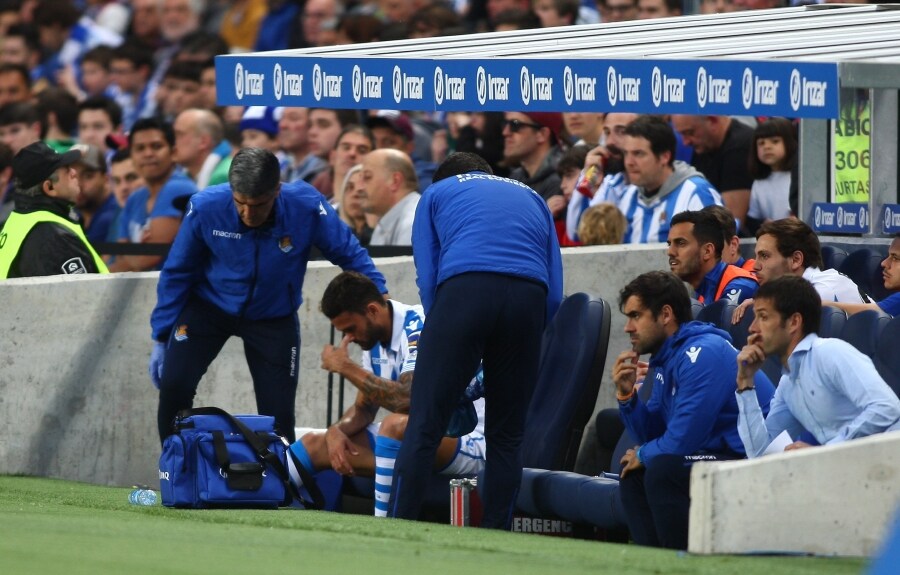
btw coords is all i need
(157, 355)
(340, 448)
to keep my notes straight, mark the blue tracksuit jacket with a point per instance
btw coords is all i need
(254, 273)
(692, 407)
(476, 222)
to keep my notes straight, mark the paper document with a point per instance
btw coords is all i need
(779, 443)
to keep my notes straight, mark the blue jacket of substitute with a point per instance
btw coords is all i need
(692, 408)
(254, 273)
(477, 222)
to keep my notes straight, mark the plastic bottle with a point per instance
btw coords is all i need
(142, 496)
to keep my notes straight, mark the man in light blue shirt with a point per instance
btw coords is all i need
(827, 387)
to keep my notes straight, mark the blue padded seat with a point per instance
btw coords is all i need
(833, 321)
(887, 358)
(863, 266)
(832, 256)
(573, 355)
(863, 330)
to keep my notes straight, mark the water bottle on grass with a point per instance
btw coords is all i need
(142, 495)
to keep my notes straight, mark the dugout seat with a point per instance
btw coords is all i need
(696, 308)
(863, 330)
(718, 313)
(863, 266)
(832, 257)
(573, 354)
(833, 321)
(887, 360)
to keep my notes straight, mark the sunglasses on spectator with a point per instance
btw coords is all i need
(516, 125)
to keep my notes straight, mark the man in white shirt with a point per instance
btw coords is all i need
(790, 247)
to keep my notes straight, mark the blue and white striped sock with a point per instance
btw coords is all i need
(386, 449)
(302, 457)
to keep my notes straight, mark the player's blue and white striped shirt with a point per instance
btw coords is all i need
(400, 357)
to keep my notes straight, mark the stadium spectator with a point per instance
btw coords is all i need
(201, 148)
(388, 333)
(828, 388)
(649, 9)
(15, 83)
(131, 68)
(569, 170)
(259, 128)
(516, 19)
(95, 201)
(20, 125)
(240, 23)
(92, 71)
(351, 206)
(59, 115)
(314, 14)
(22, 46)
(721, 148)
(209, 279)
(604, 178)
(394, 130)
(39, 236)
(602, 224)
(352, 145)
(617, 10)
(390, 191)
(696, 240)
(530, 142)
(891, 274)
(773, 155)
(586, 128)
(717, 6)
(790, 247)
(518, 278)
(432, 20)
(691, 414)
(145, 23)
(275, 29)
(481, 133)
(98, 118)
(293, 135)
(660, 187)
(556, 12)
(124, 180)
(325, 126)
(180, 90)
(66, 35)
(149, 215)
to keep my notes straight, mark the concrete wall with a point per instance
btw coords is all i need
(835, 500)
(75, 397)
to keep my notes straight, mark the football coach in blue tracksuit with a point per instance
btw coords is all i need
(489, 274)
(236, 268)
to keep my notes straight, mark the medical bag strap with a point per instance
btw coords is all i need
(261, 449)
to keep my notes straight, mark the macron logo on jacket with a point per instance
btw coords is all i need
(227, 235)
(693, 353)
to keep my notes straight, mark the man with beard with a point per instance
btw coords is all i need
(691, 414)
(604, 178)
(660, 185)
(95, 202)
(388, 333)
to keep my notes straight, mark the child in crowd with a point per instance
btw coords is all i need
(602, 224)
(772, 155)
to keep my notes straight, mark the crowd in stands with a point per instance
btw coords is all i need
(131, 86)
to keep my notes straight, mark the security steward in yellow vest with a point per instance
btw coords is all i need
(42, 236)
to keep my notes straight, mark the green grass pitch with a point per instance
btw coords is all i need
(50, 526)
